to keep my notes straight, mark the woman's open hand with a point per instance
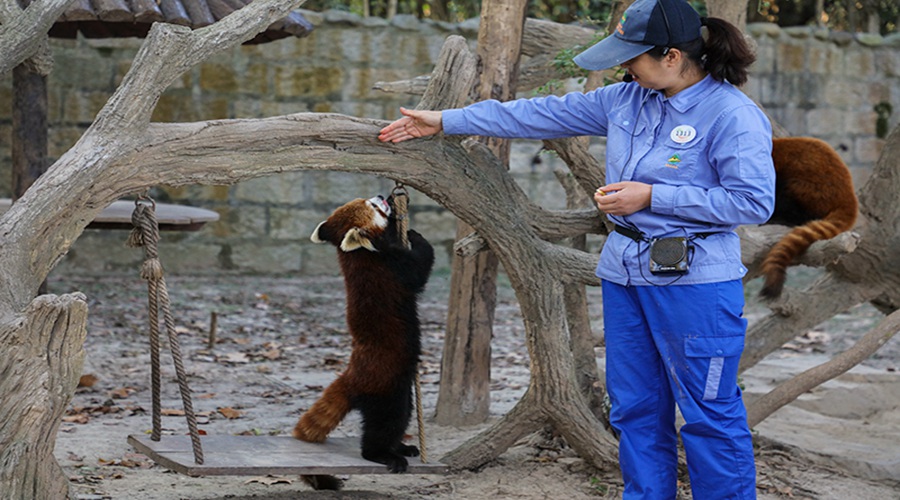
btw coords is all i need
(415, 123)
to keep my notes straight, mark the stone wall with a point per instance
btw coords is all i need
(812, 82)
(829, 85)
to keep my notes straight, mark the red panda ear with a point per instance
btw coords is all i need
(355, 239)
(319, 233)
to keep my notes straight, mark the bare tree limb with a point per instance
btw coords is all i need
(23, 33)
(818, 375)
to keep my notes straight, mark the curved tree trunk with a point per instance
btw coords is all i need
(43, 354)
(464, 394)
(553, 396)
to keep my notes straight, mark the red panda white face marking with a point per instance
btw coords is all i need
(351, 227)
(382, 209)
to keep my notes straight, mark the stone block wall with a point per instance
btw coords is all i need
(812, 82)
(829, 85)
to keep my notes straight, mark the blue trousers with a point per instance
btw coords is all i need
(679, 344)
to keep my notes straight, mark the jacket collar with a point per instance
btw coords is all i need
(690, 97)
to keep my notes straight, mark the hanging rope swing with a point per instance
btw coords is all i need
(146, 234)
(399, 201)
(238, 455)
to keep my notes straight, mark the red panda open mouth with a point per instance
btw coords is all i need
(381, 205)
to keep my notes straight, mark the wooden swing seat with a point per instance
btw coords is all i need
(263, 455)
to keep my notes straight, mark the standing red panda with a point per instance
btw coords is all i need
(382, 279)
(814, 192)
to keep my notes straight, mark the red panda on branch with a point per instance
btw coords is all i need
(382, 279)
(813, 192)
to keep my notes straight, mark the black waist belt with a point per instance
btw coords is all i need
(637, 236)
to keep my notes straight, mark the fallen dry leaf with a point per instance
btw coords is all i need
(231, 413)
(88, 380)
(122, 392)
(79, 418)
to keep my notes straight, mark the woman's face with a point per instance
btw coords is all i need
(648, 72)
(666, 74)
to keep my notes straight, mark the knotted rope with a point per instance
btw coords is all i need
(146, 234)
(399, 207)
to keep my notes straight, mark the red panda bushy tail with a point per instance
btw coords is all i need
(325, 414)
(793, 244)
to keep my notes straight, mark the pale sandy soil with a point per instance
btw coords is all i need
(281, 339)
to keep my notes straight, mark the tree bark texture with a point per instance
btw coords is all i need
(43, 354)
(582, 338)
(24, 33)
(464, 394)
(731, 11)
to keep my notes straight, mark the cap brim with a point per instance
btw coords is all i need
(609, 52)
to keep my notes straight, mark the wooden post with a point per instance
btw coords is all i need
(29, 124)
(464, 395)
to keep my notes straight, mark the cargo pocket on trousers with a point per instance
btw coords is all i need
(716, 349)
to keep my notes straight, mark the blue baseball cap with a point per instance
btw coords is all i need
(644, 25)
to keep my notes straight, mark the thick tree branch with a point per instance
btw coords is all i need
(756, 241)
(541, 41)
(818, 375)
(23, 33)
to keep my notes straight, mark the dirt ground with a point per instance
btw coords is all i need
(280, 340)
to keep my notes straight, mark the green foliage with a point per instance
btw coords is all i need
(599, 486)
(838, 15)
(564, 64)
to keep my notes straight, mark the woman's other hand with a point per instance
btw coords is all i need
(623, 198)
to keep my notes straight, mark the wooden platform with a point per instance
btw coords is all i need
(262, 455)
(170, 217)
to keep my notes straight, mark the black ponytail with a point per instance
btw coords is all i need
(724, 53)
(727, 53)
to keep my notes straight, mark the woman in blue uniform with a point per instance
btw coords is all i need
(688, 160)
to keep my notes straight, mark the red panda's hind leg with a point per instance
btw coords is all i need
(385, 418)
(325, 414)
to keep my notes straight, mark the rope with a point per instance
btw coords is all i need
(400, 205)
(146, 234)
(400, 202)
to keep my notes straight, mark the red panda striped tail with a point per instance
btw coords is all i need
(793, 244)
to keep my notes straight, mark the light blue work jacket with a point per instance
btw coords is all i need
(707, 152)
